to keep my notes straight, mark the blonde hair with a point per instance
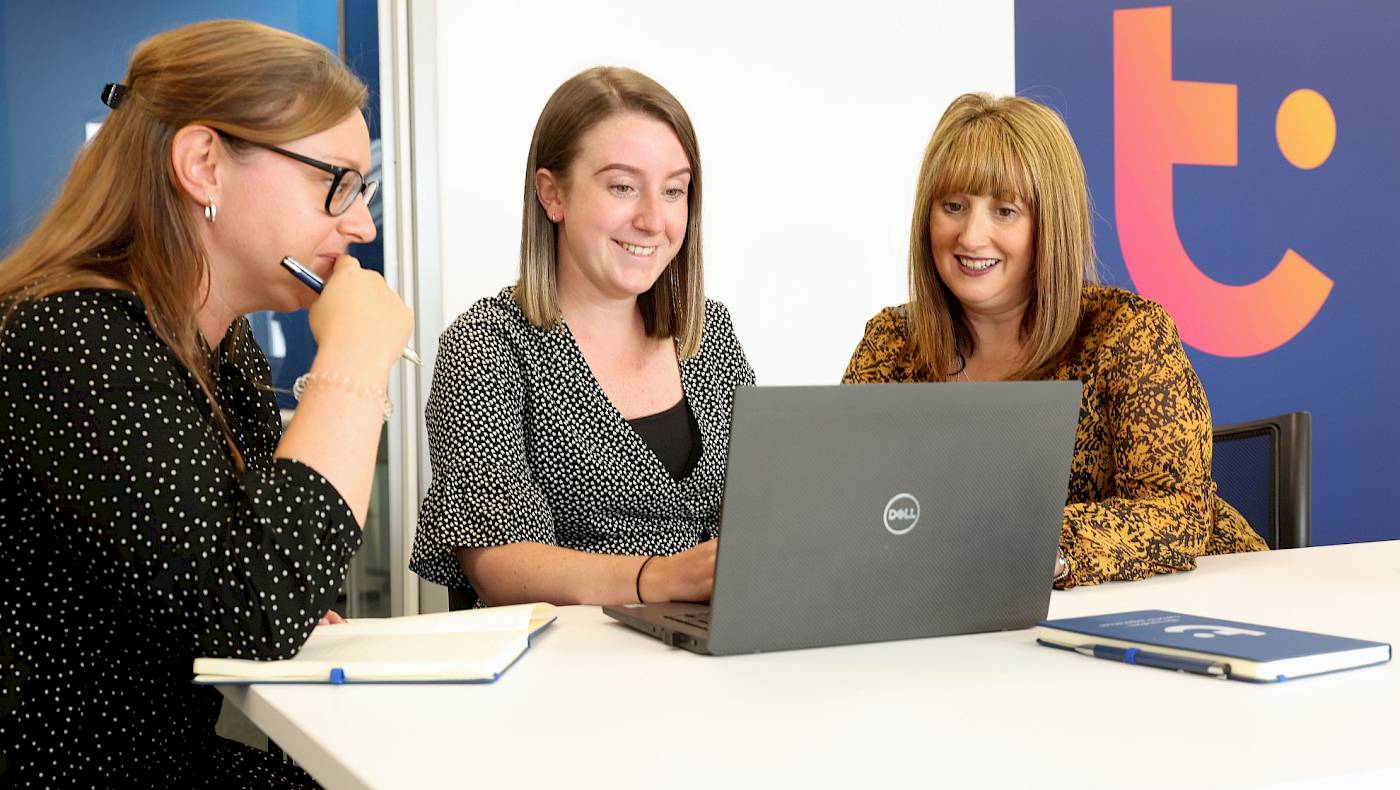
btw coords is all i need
(1009, 148)
(675, 304)
(121, 220)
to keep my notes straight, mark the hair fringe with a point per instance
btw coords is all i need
(1010, 148)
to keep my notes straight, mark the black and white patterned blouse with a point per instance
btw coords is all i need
(526, 447)
(129, 545)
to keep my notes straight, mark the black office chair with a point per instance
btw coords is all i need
(1264, 468)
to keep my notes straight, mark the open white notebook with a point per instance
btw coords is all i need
(473, 646)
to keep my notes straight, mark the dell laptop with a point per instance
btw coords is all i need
(881, 511)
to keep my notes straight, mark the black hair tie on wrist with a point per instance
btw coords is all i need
(639, 577)
(113, 93)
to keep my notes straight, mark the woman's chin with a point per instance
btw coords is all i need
(640, 285)
(295, 302)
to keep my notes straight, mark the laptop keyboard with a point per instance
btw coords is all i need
(692, 619)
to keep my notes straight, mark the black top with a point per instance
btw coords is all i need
(130, 545)
(526, 447)
(673, 436)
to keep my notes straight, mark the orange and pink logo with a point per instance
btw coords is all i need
(1159, 123)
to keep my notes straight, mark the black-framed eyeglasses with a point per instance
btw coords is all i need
(347, 185)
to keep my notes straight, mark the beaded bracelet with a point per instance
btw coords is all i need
(337, 380)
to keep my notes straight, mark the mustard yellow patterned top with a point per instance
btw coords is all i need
(1141, 498)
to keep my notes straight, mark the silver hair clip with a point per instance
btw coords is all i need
(113, 93)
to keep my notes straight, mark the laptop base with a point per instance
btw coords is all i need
(667, 622)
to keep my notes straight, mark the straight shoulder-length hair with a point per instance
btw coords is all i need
(1015, 149)
(675, 304)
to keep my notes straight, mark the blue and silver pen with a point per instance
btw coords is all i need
(1132, 655)
(310, 280)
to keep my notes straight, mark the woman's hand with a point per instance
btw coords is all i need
(687, 576)
(331, 618)
(359, 320)
(360, 327)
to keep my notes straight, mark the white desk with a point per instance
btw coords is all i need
(594, 704)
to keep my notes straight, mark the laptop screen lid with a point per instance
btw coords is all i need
(889, 511)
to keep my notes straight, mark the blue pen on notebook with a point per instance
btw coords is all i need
(1132, 655)
(310, 280)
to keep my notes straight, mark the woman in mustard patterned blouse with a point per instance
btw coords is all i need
(1002, 282)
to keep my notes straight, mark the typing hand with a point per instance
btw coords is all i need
(688, 576)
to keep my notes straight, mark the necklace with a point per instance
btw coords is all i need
(962, 370)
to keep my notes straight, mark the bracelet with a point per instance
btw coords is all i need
(336, 380)
(1061, 567)
(639, 577)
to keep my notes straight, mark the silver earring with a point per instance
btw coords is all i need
(211, 211)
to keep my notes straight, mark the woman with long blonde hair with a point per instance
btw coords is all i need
(151, 508)
(1003, 288)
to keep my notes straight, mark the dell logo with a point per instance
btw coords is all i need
(901, 514)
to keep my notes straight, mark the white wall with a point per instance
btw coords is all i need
(812, 119)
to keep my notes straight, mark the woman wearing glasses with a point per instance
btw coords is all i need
(579, 420)
(151, 508)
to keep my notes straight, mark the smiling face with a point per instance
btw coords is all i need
(271, 206)
(983, 250)
(621, 208)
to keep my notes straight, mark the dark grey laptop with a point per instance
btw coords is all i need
(881, 511)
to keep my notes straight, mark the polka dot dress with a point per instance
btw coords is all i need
(526, 447)
(129, 545)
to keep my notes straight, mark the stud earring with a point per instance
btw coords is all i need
(211, 211)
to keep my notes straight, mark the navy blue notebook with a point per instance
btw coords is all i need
(1252, 652)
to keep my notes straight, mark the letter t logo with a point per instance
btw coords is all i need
(1158, 123)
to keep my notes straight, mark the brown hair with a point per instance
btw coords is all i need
(1009, 148)
(121, 220)
(675, 304)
